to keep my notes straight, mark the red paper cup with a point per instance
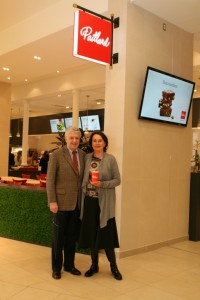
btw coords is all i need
(95, 176)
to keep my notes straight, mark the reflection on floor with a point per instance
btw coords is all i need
(169, 273)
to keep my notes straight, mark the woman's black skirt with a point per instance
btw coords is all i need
(91, 235)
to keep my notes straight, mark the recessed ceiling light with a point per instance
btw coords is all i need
(37, 57)
(26, 80)
(59, 95)
(98, 102)
(8, 78)
(6, 69)
(66, 106)
(58, 71)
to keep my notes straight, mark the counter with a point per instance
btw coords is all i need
(18, 173)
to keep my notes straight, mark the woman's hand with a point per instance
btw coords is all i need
(96, 183)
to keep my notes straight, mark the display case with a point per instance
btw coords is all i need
(194, 213)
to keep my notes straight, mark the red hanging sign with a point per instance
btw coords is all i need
(92, 38)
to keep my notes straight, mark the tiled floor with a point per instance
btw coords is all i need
(169, 273)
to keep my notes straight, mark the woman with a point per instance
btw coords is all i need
(34, 159)
(18, 158)
(44, 162)
(98, 229)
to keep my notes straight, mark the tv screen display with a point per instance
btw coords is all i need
(57, 125)
(90, 122)
(166, 98)
(68, 122)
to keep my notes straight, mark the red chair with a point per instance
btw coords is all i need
(42, 183)
(41, 177)
(19, 181)
(28, 176)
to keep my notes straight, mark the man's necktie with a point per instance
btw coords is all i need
(75, 161)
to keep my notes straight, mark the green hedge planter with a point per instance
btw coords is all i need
(25, 216)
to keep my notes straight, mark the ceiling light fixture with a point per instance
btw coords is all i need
(37, 57)
(8, 78)
(6, 69)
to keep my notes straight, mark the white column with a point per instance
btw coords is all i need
(25, 132)
(75, 109)
(5, 95)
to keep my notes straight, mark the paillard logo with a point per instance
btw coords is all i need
(86, 33)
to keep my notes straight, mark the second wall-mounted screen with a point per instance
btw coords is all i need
(68, 122)
(90, 122)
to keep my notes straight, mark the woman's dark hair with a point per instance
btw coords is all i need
(46, 154)
(104, 137)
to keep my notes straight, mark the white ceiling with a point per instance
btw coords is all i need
(183, 13)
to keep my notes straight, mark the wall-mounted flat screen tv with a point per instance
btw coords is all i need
(166, 98)
(68, 122)
(57, 125)
(90, 122)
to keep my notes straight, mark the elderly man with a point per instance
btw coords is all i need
(64, 177)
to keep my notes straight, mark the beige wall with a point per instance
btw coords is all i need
(5, 95)
(153, 200)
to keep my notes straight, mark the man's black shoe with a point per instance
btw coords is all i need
(56, 274)
(73, 271)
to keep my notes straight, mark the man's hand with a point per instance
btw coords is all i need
(54, 207)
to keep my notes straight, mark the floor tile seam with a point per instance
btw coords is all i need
(15, 294)
(39, 289)
(192, 282)
(114, 297)
(78, 297)
(12, 283)
(173, 277)
(164, 291)
(56, 285)
(183, 250)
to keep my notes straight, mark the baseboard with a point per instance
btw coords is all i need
(147, 248)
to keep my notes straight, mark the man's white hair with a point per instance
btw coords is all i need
(70, 129)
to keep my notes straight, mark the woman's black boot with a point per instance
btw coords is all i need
(94, 267)
(110, 253)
